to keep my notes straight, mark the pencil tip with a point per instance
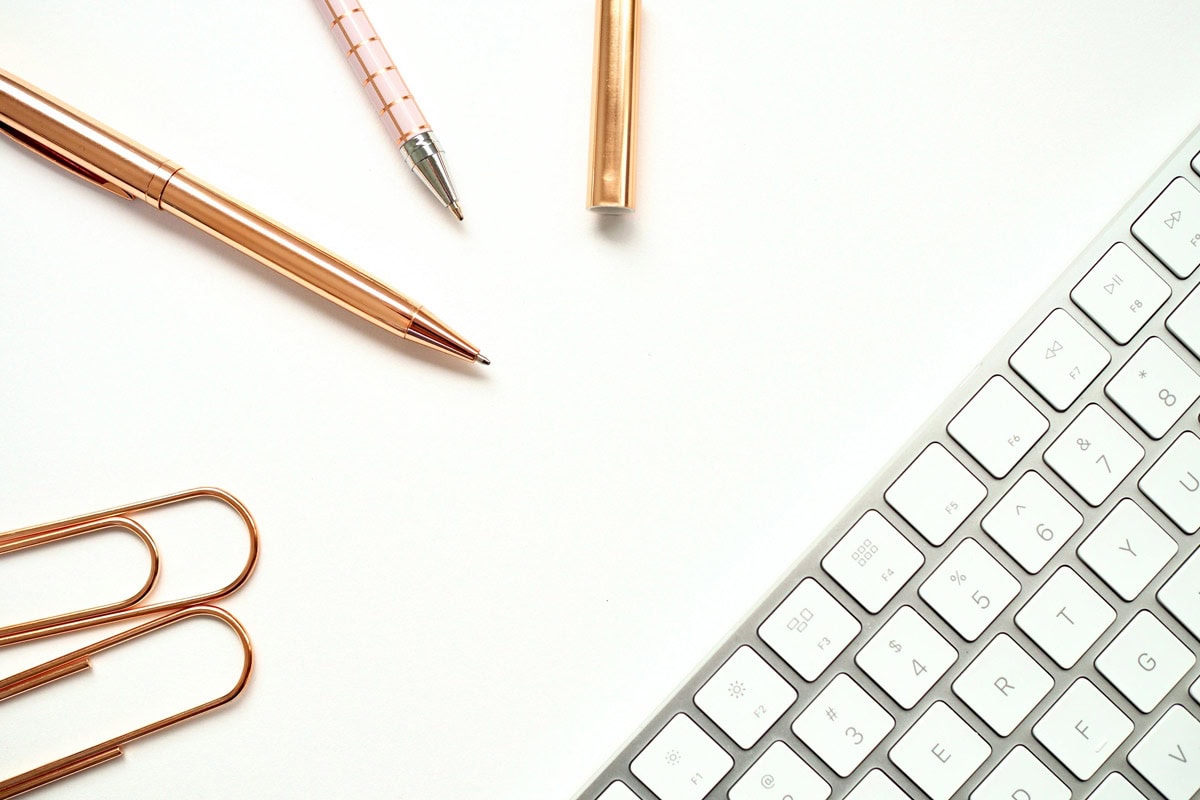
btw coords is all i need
(482, 359)
(456, 210)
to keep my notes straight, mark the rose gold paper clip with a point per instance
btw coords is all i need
(131, 607)
(80, 660)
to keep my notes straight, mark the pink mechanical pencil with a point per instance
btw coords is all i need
(402, 117)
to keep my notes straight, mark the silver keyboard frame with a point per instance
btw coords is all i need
(934, 430)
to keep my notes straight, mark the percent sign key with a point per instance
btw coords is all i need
(970, 589)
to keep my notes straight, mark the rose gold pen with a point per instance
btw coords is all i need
(402, 118)
(104, 157)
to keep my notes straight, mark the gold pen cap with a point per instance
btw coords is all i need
(611, 162)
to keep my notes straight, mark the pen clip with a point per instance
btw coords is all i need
(64, 162)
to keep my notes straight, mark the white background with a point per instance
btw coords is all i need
(475, 582)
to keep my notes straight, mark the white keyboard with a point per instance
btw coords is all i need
(1011, 610)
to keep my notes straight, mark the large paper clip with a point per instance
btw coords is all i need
(133, 606)
(78, 661)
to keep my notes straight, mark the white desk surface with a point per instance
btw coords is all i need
(475, 582)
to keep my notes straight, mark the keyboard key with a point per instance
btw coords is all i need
(745, 697)
(1184, 322)
(1195, 691)
(1173, 485)
(1116, 787)
(1094, 454)
(1120, 293)
(906, 657)
(1181, 594)
(998, 426)
(872, 561)
(682, 762)
(1065, 617)
(1169, 755)
(1127, 549)
(876, 786)
(940, 752)
(843, 725)
(1170, 227)
(935, 494)
(618, 791)
(1059, 359)
(809, 629)
(1154, 387)
(780, 773)
(1145, 661)
(1022, 776)
(1032, 522)
(1083, 729)
(969, 589)
(1003, 684)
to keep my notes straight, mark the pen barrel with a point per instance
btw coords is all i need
(288, 253)
(80, 144)
(612, 158)
(374, 68)
(104, 157)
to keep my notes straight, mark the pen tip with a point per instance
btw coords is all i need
(482, 359)
(456, 210)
